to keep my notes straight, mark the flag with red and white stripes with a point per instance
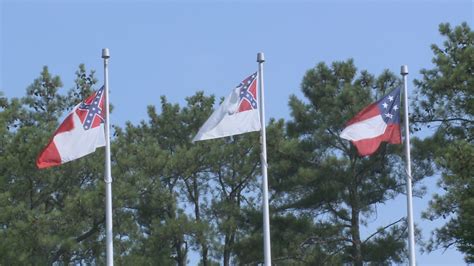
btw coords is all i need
(376, 123)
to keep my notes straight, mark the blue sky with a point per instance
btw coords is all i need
(175, 48)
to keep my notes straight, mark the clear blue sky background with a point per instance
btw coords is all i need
(175, 48)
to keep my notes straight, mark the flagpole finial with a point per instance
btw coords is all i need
(105, 53)
(404, 70)
(260, 57)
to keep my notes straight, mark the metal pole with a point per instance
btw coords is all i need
(108, 176)
(411, 229)
(263, 141)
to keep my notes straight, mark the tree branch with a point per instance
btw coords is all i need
(382, 229)
(443, 120)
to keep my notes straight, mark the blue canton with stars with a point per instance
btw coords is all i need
(389, 107)
(93, 110)
(244, 91)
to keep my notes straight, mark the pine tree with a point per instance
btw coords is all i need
(445, 102)
(315, 172)
(53, 215)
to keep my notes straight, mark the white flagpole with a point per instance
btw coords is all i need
(263, 140)
(411, 227)
(108, 176)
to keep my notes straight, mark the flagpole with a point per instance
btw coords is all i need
(263, 140)
(108, 176)
(411, 227)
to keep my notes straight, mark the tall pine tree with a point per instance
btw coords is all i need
(317, 173)
(445, 103)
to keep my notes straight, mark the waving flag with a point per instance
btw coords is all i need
(238, 113)
(378, 122)
(80, 133)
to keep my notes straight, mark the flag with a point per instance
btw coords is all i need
(79, 134)
(378, 122)
(239, 113)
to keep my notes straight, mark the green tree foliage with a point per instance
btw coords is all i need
(172, 197)
(52, 215)
(445, 102)
(169, 195)
(145, 209)
(314, 172)
(188, 166)
(185, 195)
(235, 168)
(163, 171)
(3, 100)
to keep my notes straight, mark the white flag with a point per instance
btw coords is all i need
(239, 113)
(80, 133)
